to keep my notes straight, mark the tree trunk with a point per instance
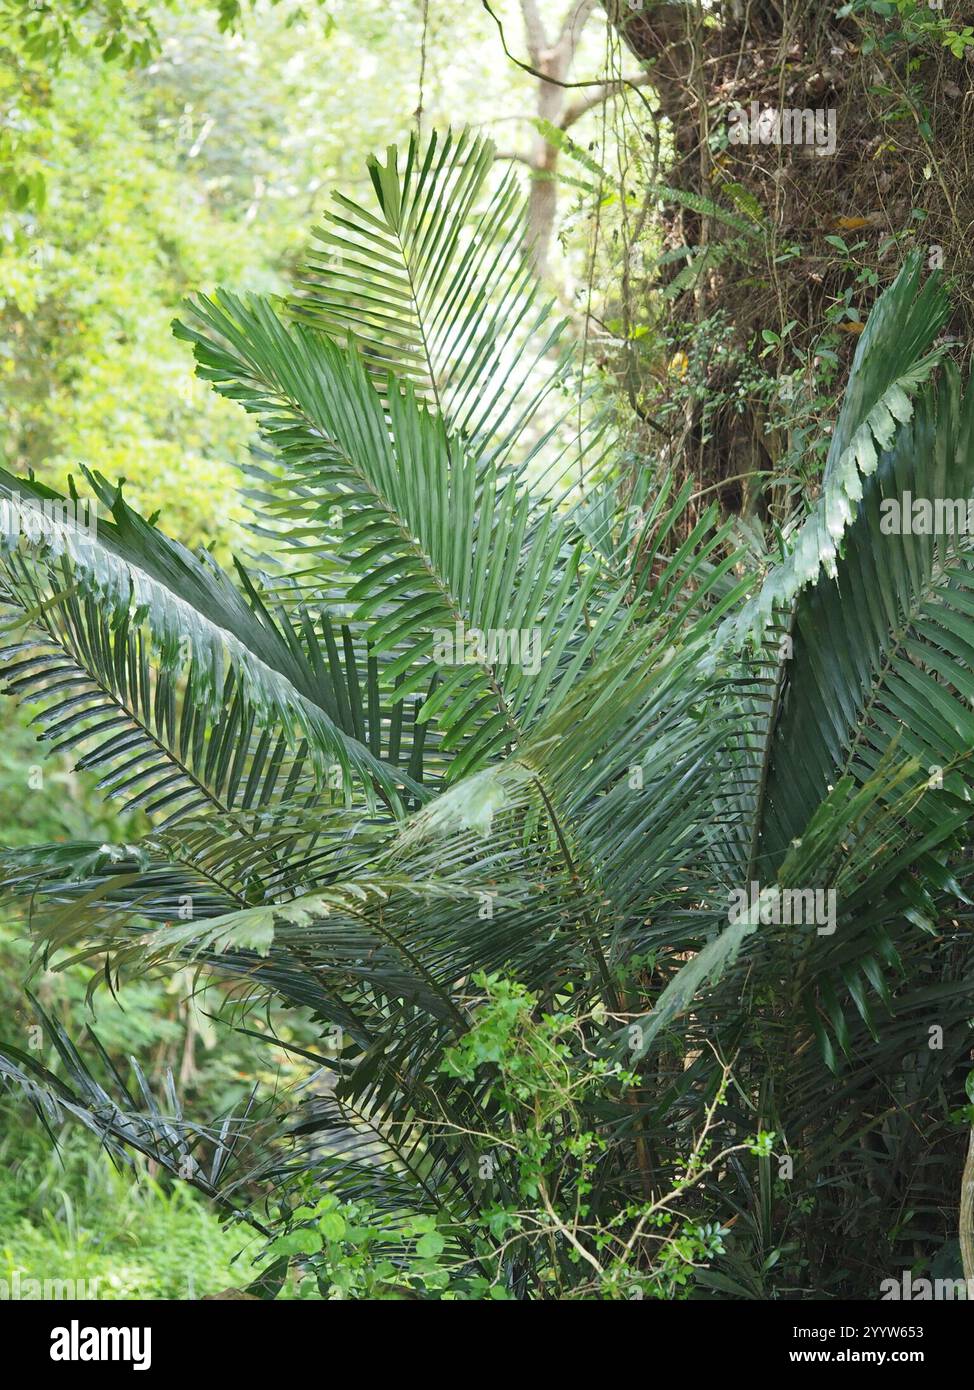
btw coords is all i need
(966, 1223)
(885, 170)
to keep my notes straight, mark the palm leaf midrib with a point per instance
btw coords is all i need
(451, 601)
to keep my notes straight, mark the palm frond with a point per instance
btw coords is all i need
(187, 695)
(894, 358)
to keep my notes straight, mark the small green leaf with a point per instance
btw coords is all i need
(331, 1224)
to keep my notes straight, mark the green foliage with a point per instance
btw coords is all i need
(112, 29)
(543, 1093)
(43, 800)
(497, 881)
(119, 31)
(76, 1217)
(919, 22)
(121, 189)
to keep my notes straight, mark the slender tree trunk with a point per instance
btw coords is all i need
(966, 1223)
(553, 58)
(543, 194)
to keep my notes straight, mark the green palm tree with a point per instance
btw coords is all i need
(634, 718)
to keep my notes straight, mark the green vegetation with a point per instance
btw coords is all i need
(83, 1220)
(504, 823)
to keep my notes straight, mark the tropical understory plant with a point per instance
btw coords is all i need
(469, 760)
